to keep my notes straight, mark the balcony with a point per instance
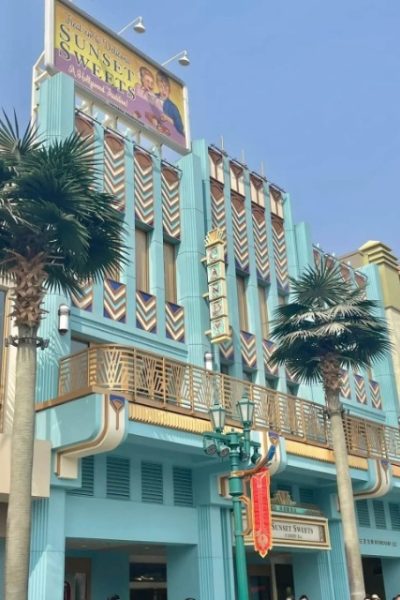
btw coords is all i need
(170, 386)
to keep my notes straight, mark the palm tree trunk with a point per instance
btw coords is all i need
(19, 505)
(346, 499)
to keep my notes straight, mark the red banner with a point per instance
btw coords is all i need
(261, 512)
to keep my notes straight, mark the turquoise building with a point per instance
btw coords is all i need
(128, 502)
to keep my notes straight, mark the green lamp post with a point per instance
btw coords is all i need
(238, 446)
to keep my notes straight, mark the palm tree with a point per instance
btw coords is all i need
(56, 229)
(327, 326)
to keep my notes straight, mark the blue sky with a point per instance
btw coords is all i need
(310, 88)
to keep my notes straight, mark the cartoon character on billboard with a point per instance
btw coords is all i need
(169, 108)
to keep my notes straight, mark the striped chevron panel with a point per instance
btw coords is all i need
(280, 256)
(375, 392)
(226, 350)
(217, 206)
(144, 196)
(170, 202)
(114, 306)
(317, 257)
(361, 282)
(84, 298)
(240, 240)
(345, 390)
(114, 169)
(361, 393)
(268, 348)
(290, 375)
(248, 349)
(260, 242)
(174, 322)
(146, 311)
(84, 126)
(345, 272)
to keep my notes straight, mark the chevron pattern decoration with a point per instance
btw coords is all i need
(361, 393)
(83, 299)
(345, 390)
(280, 256)
(248, 349)
(174, 322)
(240, 240)
(144, 188)
(290, 375)
(317, 257)
(361, 282)
(375, 392)
(268, 348)
(170, 202)
(218, 206)
(345, 272)
(227, 351)
(84, 126)
(146, 311)
(260, 242)
(114, 169)
(114, 304)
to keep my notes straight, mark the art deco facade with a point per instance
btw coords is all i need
(131, 505)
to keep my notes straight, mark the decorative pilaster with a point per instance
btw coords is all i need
(214, 555)
(46, 579)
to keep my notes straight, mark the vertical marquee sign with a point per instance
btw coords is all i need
(109, 69)
(261, 512)
(217, 294)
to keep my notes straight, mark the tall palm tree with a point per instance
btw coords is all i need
(56, 229)
(327, 326)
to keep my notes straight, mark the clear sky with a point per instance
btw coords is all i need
(308, 87)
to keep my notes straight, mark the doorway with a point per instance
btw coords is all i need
(373, 578)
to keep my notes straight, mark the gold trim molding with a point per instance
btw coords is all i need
(322, 454)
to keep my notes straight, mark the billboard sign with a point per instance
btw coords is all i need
(111, 70)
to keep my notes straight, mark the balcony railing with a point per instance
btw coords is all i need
(152, 380)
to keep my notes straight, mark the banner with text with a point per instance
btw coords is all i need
(261, 512)
(116, 73)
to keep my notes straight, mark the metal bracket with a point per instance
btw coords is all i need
(38, 342)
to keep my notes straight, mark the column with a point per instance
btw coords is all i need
(110, 575)
(46, 578)
(215, 554)
(192, 276)
(312, 576)
(338, 561)
(183, 572)
(390, 572)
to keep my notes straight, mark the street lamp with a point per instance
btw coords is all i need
(183, 59)
(137, 25)
(240, 448)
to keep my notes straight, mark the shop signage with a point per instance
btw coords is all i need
(298, 532)
(261, 512)
(217, 291)
(107, 68)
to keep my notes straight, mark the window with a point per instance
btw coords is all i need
(152, 483)
(183, 486)
(170, 273)
(117, 477)
(242, 303)
(262, 302)
(142, 260)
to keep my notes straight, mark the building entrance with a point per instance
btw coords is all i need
(373, 578)
(271, 580)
